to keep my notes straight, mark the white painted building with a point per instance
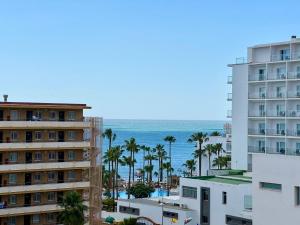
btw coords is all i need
(209, 200)
(266, 129)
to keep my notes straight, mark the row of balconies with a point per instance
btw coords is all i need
(274, 95)
(272, 150)
(43, 125)
(274, 132)
(274, 76)
(44, 145)
(279, 114)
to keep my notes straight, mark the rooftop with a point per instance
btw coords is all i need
(225, 179)
(43, 105)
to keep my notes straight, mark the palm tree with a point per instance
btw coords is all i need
(170, 139)
(219, 149)
(190, 166)
(149, 168)
(210, 150)
(222, 161)
(108, 134)
(132, 147)
(199, 138)
(215, 133)
(73, 209)
(145, 149)
(128, 161)
(117, 153)
(157, 175)
(161, 155)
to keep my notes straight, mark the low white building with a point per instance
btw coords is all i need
(210, 200)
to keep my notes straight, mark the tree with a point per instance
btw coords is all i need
(128, 161)
(210, 150)
(150, 157)
(116, 154)
(199, 138)
(222, 161)
(170, 140)
(140, 190)
(129, 221)
(190, 166)
(161, 156)
(215, 133)
(132, 147)
(73, 209)
(145, 149)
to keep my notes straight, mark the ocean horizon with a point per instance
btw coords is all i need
(152, 132)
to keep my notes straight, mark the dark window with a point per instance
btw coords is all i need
(233, 220)
(271, 186)
(189, 192)
(297, 195)
(224, 197)
(170, 214)
(204, 219)
(129, 210)
(205, 195)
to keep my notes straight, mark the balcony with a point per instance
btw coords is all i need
(280, 57)
(30, 167)
(229, 80)
(257, 114)
(37, 209)
(257, 77)
(229, 113)
(44, 187)
(44, 145)
(229, 97)
(294, 94)
(268, 150)
(293, 75)
(276, 76)
(43, 125)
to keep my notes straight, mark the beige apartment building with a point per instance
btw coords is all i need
(46, 150)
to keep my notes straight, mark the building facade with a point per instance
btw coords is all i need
(266, 128)
(44, 153)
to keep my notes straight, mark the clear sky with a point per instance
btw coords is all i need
(144, 59)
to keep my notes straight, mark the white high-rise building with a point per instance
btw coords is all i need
(266, 129)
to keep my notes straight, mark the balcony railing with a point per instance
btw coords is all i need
(258, 77)
(229, 80)
(293, 75)
(229, 113)
(241, 60)
(280, 57)
(229, 97)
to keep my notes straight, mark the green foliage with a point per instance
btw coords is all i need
(215, 133)
(140, 190)
(73, 209)
(109, 204)
(129, 221)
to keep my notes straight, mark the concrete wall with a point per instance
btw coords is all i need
(271, 206)
(239, 117)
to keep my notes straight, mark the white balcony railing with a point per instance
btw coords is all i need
(229, 97)
(43, 124)
(44, 145)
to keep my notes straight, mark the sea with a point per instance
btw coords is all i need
(152, 132)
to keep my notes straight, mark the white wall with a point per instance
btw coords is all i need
(270, 206)
(218, 211)
(239, 117)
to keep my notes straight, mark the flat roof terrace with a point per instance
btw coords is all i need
(230, 179)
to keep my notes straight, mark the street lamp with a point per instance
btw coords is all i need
(162, 213)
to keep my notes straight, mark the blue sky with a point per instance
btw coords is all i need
(144, 59)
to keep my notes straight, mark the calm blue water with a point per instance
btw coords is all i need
(152, 132)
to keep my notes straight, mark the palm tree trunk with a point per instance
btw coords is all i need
(170, 177)
(133, 167)
(113, 181)
(117, 185)
(129, 178)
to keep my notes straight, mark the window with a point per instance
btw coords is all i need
(262, 92)
(261, 145)
(172, 215)
(205, 194)
(37, 197)
(248, 202)
(280, 147)
(51, 196)
(297, 196)
(13, 157)
(12, 178)
(36, 219)
(38, 135)
(224, 198)
(50, 217)
(280, 128)
(129, 210)
(71, 135)
(261, 110)
(261, 74)
(280, 110)
(189, 192)
(52, 135)
(271, 186)
(261, 128)
(71, 175)
(52, 155)
(12, 199)
(37, 156)
(38, 115)
(14, 115)
(37, 177)
(52, 115)
(204, 219)
(51, 176)
(298, 71)
(71, 115)
(11, 221)
(71, 155)
(14, 135)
